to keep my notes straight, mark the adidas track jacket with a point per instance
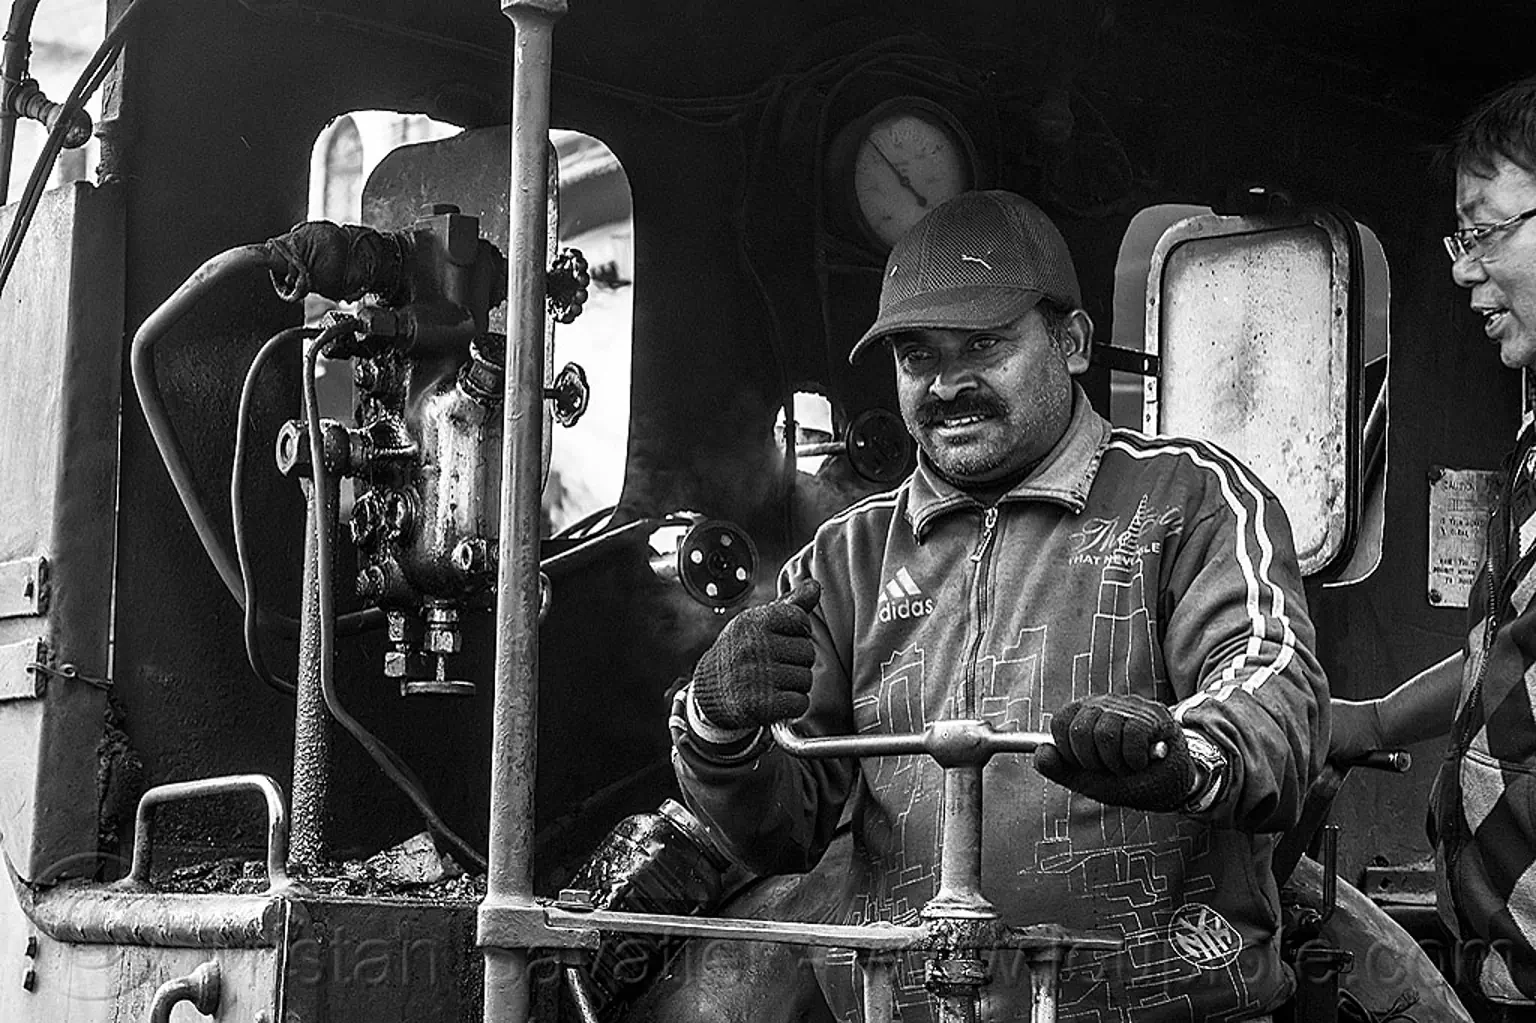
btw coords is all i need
(1122, 564)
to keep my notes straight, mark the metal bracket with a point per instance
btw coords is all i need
(24, 587)
(525, 925)
(1127, 360)
(20, 677)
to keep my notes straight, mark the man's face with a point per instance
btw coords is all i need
(984, 405)
(1503, 279)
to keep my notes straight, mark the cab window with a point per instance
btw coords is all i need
(1270, 338)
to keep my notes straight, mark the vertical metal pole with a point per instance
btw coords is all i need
(959, 907)
(1044, 980)
(879, 987)
(959, 894)
(14, 58)
(514, 715)
(960, 1007)
(312, 720)
(581, 994)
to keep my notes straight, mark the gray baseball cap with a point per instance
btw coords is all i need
(980, 260)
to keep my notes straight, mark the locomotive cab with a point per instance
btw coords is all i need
(289, 512)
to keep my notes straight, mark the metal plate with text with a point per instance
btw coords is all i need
(1459, 503)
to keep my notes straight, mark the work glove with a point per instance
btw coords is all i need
(1124, 750)
(1356, 730)
(759, 669)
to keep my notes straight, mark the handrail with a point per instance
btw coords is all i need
(277, 823)
(202, 987)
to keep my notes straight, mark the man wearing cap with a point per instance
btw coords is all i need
(1136, 597)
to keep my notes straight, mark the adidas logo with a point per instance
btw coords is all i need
(901, 599)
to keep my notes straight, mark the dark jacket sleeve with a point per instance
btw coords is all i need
(1239, 650)
(772, 812)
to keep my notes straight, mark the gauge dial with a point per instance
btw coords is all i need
(911, 156)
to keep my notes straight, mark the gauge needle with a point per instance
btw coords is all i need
(906, 182)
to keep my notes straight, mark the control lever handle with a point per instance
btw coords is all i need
(952, 743)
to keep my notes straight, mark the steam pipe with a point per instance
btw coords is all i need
(13, 69)
(200, 987)
(312, 719)
(509, 878)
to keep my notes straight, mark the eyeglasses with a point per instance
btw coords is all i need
(1477, 240)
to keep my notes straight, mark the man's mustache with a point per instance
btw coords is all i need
(933, 412)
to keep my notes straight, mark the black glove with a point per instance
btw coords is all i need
(759, 669)
(1106, 747)
(1356, 730)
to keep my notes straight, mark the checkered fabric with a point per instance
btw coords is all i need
(1485, 800)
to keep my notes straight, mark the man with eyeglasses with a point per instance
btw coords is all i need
(1484, 800)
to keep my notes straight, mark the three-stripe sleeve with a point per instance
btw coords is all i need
(1239, 643)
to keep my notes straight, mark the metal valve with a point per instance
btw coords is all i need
(879, 447)
(571, 394)
(27, 100)
(440, 641)
(716, 563)
(566, 285)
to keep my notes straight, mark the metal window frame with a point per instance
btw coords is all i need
(1345, 339)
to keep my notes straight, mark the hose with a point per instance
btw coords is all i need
(251, 604)
(231, 263)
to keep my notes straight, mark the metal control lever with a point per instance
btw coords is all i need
(957, 742)
(1319, 800)
(960, 923)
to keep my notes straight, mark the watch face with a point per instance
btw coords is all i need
(912, 157)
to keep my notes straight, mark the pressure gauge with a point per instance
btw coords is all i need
(899, 161)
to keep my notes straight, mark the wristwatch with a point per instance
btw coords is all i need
(1210, 772)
